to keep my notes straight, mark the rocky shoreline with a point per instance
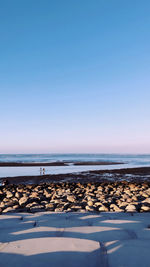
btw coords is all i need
(120, 196)
(140, 174)
(57, 163)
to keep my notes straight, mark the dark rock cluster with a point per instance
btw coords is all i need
(70, 197)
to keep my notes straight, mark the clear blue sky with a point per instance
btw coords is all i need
(74, 76)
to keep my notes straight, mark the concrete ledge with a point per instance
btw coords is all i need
(75, 239)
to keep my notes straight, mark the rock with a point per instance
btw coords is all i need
(129, 200)
(21, 190)
(59, 209)
(128, 192)
(132, 186)
(50, 207)
(18, 195)
(32, 204)
(33, 199)
(16, 207)
(2, 204)
(97, 204)
(147, 200)
(44, 202)
(90, 203)
(145, 195)
(76, 207)
(12, 202)
(115, 208)
(6, 199)
(69, 210)
(148, 191)
(47, 193)
(115, 196)
(36, 208)
(23, 201)
(98, 195)
(71, 198)
(9, 209)
(34, 195)
(89, 208)
(57, 201)
(66, 205)
(60, 192)
(5, 182)
(130, 208)
(100, 188)
(134, 198)
(82, 210)
(124, 196)
(91, 194)
(145, 208)
(9, 194)
(123, 204)
(103, 208)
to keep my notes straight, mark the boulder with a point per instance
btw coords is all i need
(89, 208)
(9, 194)
(23, 201)
(18, 195)
(145, 208)
(90, 203)
(130, 208)
(116, 208)
(9, 209)
(71, 198)
(103, 208)
(37, 208)
(50, 207)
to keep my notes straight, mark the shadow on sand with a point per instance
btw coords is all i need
(75, 239)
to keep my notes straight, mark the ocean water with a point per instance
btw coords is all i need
(126, 160)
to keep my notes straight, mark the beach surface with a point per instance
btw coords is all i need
(96, 218)
(75, 239)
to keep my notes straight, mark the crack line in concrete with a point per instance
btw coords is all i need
(104, 255)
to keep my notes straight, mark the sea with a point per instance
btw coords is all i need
(125, 160)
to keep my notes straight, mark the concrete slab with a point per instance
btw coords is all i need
(75, 239)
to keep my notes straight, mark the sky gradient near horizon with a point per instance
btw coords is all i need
(74, 76)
